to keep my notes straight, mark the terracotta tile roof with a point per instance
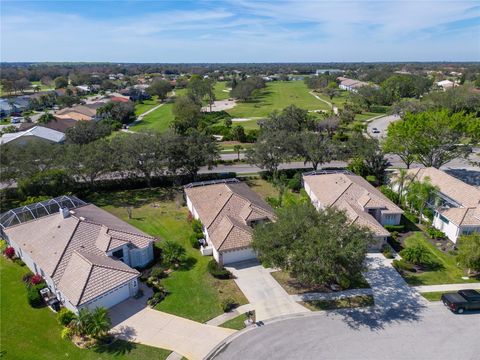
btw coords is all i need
(354, 195)
(462, 216)
(457, 190)
(224, 210)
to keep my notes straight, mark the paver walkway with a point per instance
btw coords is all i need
(263, 292)
(447, 287)
(132, 320)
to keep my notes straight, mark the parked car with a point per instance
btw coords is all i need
(462, 300)
(375, 131)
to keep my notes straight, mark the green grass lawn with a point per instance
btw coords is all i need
(194, 293)
(228, 147)
(433, 296)
(351, 302)
(448, 273)
(219, 93)
(277, 96)
(158, 120)
(28, 333)
(146, 105)
(338, 101)
(237, 323)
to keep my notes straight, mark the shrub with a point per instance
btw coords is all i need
(3, 245)
(36, 279)
(65, 316)
(218, 271)
(19, 262)
(194, 241)
(435, 233)
(156, 298)
(26, 278)
(173, 252)
(197, 226)
(228, 304)
(397, 228)
(33, 296)
(389, 193)
(9, 252)
(295, 183)
(402, 265)
(387, 252)
(66, 333)
(157, 273)
(417, 254)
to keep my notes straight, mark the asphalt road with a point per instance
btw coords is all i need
(381, 124)
(432, 332)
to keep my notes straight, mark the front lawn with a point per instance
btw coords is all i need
(237, 323)
(158, 120)
(447, 271)
(28, 333)
(194, 293)
(350, 302)
(433, 296)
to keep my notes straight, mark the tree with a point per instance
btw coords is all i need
(331, 90)
(45, 118)
(237, 148)
(187, 114)
(22, 84)
(469, 252)
(317, 148)
(399, 142)
(401, 181)
(85, 132)
(419, 194)
(172, 252)
(60, 82)
(318, 248)
(122, 112)
(433, 137)
(99, 322)
(160, 88)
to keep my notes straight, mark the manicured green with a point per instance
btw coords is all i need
(351, 302)
(220, 94)
(193, 292)
(158, 120)
(276, 96)
(28, 333)
(433, 296)
(448, 271)
(146, 105)
(237, 323)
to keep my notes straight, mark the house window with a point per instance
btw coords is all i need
(118, 254)
(444, 219)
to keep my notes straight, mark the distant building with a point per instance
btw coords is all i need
(329, 71)
(36, 133)
(446, 84)
(350, 84)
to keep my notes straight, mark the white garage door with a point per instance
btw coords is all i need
(236, 256)
(111, 298)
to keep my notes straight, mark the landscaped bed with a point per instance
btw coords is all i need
(192, 292)
(34, 333)
(344, 303)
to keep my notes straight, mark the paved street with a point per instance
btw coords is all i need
(381, 124)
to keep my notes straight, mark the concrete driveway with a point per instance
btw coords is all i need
(263, 292)
(132, 320)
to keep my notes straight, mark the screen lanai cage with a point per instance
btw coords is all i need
(37, 210)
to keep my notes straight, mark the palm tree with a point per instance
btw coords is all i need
(173, 252)
(237, 148)
(419, 194)
(401, 181)
(81, 322)
(99, 322)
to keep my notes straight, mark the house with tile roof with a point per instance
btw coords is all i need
(362, 203)
(228, 210)
(350, 84)
(457, 205)
(87, 256)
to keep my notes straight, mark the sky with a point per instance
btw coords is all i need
(240, 31)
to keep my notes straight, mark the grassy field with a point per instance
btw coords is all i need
(448, 271)
(158, 120)
(433, 296)
(351, 302)
(220, 94)
(28, 333)
(146, 105)
(276, 96)
(194, 293)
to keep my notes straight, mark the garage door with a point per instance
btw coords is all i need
(240, 255)
(111, 298)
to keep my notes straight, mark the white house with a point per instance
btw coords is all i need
(87, 256)
(228, 209)
(457, 205)
(33, 134)
(445, 84)
(363, 204)
(350, 84)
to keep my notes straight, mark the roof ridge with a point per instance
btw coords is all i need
(109, 228)
(223, 206)
(65, 248)
(343, 192)
(226, 236)
(88, 277)
(130, 270)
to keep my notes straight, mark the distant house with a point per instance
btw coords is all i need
(86, 255)
(80, 112)
(35, 133)
(228, 210)
(445, 84)
(362, 203)
(328, 71)
(58, 124)
(350, 84)
(457, 204)
(122, 99)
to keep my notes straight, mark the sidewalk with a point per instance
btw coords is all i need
(447, 287)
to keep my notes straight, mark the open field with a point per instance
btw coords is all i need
(447, 273)
(146, 105)
(193, 292)
(28, 333)
(276, 96)
(158, 120)
(220, 94)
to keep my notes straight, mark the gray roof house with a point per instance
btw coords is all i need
(87, 256)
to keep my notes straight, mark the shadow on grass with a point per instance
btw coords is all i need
(115, 347)
(187, 264)
(135, 198)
